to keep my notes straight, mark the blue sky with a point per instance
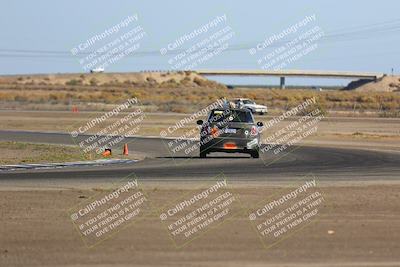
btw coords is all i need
(59, 26)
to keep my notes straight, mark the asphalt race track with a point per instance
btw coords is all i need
(328, 164)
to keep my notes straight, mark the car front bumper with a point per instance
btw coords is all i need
(221, 144)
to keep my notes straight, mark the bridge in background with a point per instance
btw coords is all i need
(294, 73)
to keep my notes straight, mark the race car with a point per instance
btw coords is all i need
(230, 131)
(97, 70)
(251, 105)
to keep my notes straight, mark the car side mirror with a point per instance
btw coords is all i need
(260, 124)
(199, 122)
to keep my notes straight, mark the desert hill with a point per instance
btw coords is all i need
(384, 84)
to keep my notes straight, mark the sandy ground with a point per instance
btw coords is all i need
(21, 153)
(357, 226)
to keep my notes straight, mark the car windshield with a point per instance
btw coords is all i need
(231, 116)
(248, 102)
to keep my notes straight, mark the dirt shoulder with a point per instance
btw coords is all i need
(24, 153)
(359, 226)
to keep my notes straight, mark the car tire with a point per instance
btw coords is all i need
(255, 154)
(261, 113)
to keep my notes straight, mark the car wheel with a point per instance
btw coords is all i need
(203, 155)
(255, 154)
(261, 113)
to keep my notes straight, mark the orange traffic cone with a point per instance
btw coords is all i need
(126, 151)
(107, 152)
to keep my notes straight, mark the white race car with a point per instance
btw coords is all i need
(251, 105)
(97, 70)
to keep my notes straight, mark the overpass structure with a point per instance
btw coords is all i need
(294, 73)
